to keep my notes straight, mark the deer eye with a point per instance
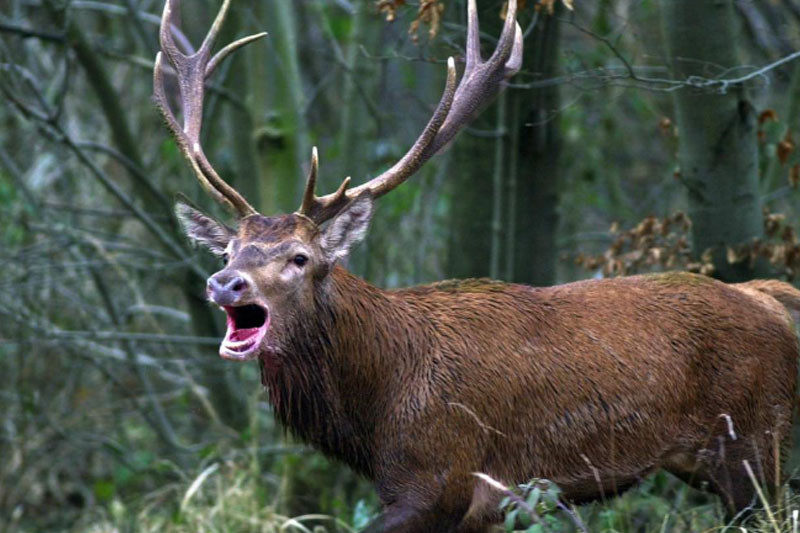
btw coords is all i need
(225, 258)
(300, 260)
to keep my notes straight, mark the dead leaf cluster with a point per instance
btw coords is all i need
(429, 13)
(663, 244)
(549, 5)
(780, 246)
(653, 243)
(389, 8)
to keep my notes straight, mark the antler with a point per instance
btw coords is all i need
(192, 70)
(481, 81)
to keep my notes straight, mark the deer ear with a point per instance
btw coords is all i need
(203, 229)
(348, 228)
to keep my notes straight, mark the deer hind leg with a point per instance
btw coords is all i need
(722, 471)
(469, 526)
(426, 503)
(480, 522)
(739, 470)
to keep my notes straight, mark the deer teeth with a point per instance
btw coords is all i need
(239, 343)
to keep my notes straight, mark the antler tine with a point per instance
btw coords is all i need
(192, 70)
(481, 81)
(507, 37)
(311, 183)
(473, 50)
(213, 31)
(320, 209)
(514, 61)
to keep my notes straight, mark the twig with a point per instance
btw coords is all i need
(511, 495)
(718, 85)
(761, 496)
(31, 33)
(497, 188)
(486, 428)
(119, 335)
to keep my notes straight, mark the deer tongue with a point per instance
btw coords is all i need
(243, 335)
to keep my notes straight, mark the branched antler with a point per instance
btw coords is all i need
(459, 104)
(481, 81)
(192, 69)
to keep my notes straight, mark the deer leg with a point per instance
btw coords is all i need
(476, 526)
(406, 518)
(730, 478)
(420, 507)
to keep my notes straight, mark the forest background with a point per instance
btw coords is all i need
(640, 135)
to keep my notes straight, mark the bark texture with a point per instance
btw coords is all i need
(718, 145)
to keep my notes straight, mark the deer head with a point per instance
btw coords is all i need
(276, 266)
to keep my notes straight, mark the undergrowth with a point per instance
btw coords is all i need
(233, 496)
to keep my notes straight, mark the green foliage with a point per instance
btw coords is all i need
(117, 413)
(660, 503)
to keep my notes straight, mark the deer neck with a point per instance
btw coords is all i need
(332, 384)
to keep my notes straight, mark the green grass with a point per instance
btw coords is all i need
(222, 497)
(233, 496)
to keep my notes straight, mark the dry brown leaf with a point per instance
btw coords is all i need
(794, 175)
(772, 222)
(520, 6)
(389, 8)
(707, 269)
(785, 148)
(430, 13)
(788, 234)
(650, 243)
(778, 254)
(549, 5)
(731, 256)
(766, 115)
(665, 125)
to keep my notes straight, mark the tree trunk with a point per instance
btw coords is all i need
(718, 147)
(470, 241)
(527, 222)
(535, 189)
(278, 97)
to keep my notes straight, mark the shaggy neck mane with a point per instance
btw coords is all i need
(331, 384)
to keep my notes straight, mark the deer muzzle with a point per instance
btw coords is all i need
(227, 288)
(247, 320)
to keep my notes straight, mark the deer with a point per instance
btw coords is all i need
(592, 385)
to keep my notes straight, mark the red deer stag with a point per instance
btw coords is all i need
(592, 385)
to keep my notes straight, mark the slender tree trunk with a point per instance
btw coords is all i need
(522, 238)
(228, 400)
(498, 179)
(718, 152)
(470, 241)
(535, 199)
(293, 99)
(244, 168)
(278, 102)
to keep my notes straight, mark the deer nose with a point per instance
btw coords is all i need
(226, 288)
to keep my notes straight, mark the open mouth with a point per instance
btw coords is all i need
(247, 325)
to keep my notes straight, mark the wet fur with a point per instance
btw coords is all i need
(593, 385)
